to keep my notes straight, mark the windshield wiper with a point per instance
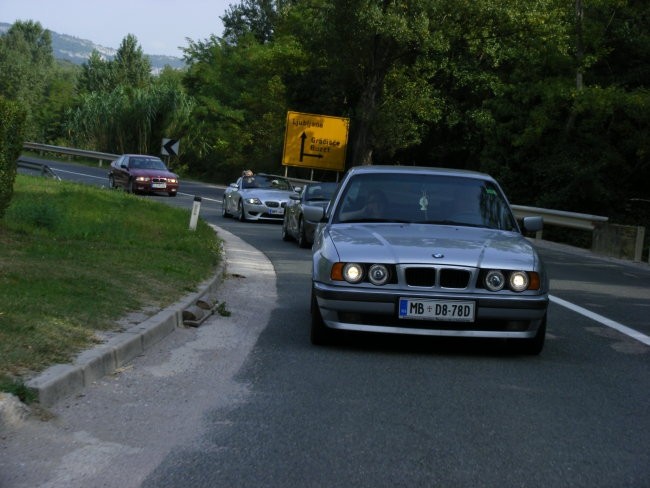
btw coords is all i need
(454, 222)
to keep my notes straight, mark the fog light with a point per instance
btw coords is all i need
(494, 280)
(378, 274)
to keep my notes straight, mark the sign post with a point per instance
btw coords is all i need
(315, 141)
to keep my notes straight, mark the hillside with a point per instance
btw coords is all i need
(77, 51)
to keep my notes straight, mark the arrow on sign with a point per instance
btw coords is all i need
(302, 149)
(170, 147)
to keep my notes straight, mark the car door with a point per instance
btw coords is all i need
(119, 173)
(232, 197)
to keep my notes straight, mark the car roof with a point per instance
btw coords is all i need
(388, 169)
(141, 156)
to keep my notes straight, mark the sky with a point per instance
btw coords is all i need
(160, 26)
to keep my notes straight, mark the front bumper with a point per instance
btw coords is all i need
(262, 212)
(369, 310)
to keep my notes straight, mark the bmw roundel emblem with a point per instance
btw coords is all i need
(438, 255)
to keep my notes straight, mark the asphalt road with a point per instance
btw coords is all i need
(247, 401)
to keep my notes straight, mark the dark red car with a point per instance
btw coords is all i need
(140, 173)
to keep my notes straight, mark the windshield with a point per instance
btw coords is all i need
(147, 163)
(419, 198)
(268, 182)
(320, 191)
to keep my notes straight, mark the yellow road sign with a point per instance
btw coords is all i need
(315, 141)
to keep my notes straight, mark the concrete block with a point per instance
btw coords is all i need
(57, 382)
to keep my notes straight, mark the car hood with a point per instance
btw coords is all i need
(419, 243)
(153, 173)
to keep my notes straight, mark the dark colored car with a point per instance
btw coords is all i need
(140, 173)
(295, 225)
(429, 252)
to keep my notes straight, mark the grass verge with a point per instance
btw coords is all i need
(75, 259)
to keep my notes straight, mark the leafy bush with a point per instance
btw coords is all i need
(12, 130)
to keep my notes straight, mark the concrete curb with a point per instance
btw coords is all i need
(62, 380)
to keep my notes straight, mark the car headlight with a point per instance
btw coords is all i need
(378, 274)
(495, 280)
(253, 201)
(172, 180)
(353, 272)
(142, 179)
(518, 281)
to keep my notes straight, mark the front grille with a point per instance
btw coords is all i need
(272, 204)
(446, 277)
(454, 278)
(159, 180)
(420, 276)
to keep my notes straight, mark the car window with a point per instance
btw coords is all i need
(271, 182)
(153, 163)
(418, 198)
(321, 191)
(136, 163)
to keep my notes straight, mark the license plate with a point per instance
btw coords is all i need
(159, 185)
(440, 310)
(276, 211)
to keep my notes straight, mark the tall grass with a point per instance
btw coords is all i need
(74, 259)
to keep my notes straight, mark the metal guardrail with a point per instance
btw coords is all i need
(100, 156)
(43, 169)
(560, 217)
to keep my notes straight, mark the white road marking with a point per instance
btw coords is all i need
(56, 170)
(623, 329)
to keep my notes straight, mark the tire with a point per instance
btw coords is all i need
(320, 335)
(111, 182)
(224, 212)
(129, 187)
(285, 233)
(534, 346)
(241, 215)
(302, 238)
(172, 193)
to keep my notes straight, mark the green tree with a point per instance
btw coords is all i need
(25, 66)
(250, 17)
(97, 75)
(132, 67)
(240, 94)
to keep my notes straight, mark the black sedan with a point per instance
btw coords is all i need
(295, 225)
(140, 173)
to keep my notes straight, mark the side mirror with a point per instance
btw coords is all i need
(533, 224)
(314, 213)
(233, 185)
(294, 197)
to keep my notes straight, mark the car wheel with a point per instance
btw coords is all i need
(534, 346)
(241, 215)
(129, 187)
(111, 182)
(285, 233)
(320, 335)
(302, 238)
(224, 212)
(172, 193)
